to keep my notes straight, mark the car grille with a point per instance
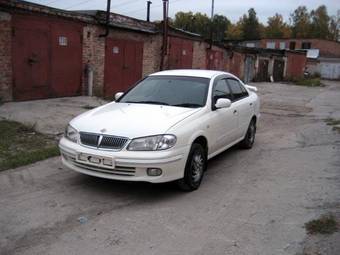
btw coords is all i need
(103, 141)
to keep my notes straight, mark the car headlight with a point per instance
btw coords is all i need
(152, 143)
(71, 133)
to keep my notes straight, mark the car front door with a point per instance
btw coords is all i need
(242, 104)
(223, 121)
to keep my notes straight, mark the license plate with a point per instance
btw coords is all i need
(96, 160)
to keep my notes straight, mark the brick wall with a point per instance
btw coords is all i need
(5, 57)
(199, 55)
(94, 56)
(327, 48)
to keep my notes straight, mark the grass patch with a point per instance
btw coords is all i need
(326, 225)
(334, 123)
(21, 145)
(308, 82)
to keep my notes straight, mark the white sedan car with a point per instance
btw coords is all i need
(163, 129)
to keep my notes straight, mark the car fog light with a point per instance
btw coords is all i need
(82, 157)
(107, 162)
(154, 171)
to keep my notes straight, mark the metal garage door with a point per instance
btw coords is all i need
(47, 57)
(215, 60)
(181, 53)
(123, 65)
(330, 70)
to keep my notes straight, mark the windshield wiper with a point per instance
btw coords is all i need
(146, 102)
(189, 105)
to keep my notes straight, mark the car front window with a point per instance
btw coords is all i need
(181, 91)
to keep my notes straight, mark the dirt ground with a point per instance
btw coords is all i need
(250, 202)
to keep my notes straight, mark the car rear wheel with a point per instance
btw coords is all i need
(249, 139)
(194, 170)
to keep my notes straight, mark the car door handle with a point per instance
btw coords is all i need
(235, 111)
(251, 104)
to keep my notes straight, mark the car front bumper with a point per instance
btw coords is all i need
(127, 165)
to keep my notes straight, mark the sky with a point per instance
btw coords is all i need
(233, 9)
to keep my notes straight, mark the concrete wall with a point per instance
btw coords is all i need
(5, 57)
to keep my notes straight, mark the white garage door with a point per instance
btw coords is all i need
(330, 70)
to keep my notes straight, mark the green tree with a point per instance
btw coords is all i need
(234, 31)
(334, 26)
(301, 25)
(277, 28)
(320, 23)
(220, 26)
(201, 24)
(251, 27)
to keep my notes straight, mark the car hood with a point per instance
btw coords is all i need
(131, 120)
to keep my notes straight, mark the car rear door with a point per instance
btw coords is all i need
(224, 121)
(242, 104)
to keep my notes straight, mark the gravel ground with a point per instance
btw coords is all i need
(250, 202)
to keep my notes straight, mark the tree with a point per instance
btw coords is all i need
(201, 24)
(234, 32)
(320, 23)
(220, 26)
(301, 25)
(334, 26)
(251, 27)
(277, 28)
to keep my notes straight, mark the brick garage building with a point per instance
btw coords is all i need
(47, 52)
(5, 57)
(326, 53)
(256, 64)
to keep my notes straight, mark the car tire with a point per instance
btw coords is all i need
(249, 139)
(194, 169)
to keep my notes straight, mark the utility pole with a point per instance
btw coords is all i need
(212, 25)
(148, 11)
(165, 32)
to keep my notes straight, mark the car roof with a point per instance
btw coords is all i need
(192, 73)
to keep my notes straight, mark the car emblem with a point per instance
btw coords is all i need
(103, 130)
(99, 140)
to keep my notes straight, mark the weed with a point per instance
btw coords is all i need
(326, 224)
(22, 145)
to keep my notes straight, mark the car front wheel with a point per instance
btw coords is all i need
(194, 169)
(249, 139)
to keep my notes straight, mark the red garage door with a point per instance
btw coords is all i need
(181, 53)
(47, 57)
(123, 65)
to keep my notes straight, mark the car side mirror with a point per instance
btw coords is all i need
(252, 88)
(118, 95)
(222, 103)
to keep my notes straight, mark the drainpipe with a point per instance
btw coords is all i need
(148, 11)
(107, 22)
(165, 33)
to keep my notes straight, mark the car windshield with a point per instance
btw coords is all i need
(178, 91)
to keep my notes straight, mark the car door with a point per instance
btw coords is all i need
(223, 121)
(242, 104)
